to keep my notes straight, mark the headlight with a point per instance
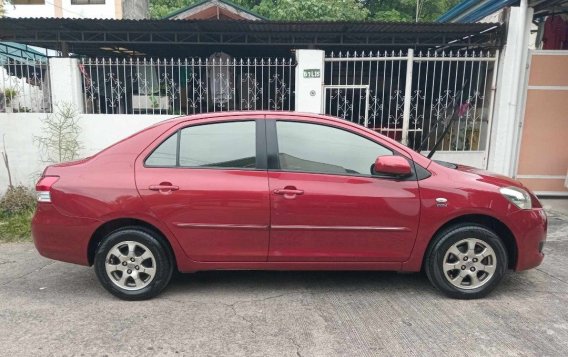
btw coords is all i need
(517, 196)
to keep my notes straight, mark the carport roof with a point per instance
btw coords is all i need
(170, 37)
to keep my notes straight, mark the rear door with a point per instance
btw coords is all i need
(208, 183)
(326, 203)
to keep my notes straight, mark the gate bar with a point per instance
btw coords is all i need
(407, 96)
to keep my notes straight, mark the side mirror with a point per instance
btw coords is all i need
(392, 166)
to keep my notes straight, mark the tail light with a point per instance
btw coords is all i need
(43, 188)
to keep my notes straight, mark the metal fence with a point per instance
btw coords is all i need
(422, 99)
(186, 86)
(24, 85)
(413, 98)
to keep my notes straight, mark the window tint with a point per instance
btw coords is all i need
(318, 148)
(219, 145)
(165, 154)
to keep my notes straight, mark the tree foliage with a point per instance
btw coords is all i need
(323, 10)
(327, 10)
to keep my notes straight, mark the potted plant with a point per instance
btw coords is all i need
(9, 94)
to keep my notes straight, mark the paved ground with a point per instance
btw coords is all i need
(48, 307)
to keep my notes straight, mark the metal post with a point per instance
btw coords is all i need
(407, 96)
(493, 91)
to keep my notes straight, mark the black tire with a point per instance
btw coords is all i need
(161, 254)
(443, 241)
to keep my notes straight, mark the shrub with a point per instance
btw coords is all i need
(16, 211)
(17, 200)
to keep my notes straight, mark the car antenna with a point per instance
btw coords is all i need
(458, 110)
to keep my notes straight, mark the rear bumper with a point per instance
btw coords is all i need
(529, 228)
(61, 237)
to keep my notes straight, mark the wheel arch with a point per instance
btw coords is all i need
(492, 223)
(113, 225)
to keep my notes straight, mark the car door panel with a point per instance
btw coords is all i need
(216, 213)
(326, 205)
(342, 218)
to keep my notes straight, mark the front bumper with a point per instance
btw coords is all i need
(60, 237)
(529, 228)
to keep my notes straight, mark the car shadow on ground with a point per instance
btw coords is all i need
(263, 282)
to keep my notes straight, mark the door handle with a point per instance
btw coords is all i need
(163, 187)
(288, 192)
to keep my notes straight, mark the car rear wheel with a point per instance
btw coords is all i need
(132, 264)
(466, 261)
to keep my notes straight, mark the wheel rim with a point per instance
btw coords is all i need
(469, 264)
(130, 265)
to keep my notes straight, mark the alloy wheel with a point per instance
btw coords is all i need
(130, 265)
(469, 264)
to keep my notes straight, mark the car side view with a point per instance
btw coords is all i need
(281, 191)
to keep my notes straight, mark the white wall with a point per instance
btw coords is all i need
(49, 9)
(17, 132)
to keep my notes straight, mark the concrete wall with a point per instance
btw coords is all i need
(17, 132)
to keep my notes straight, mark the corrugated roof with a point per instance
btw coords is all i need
(9, 25)
(268, 38)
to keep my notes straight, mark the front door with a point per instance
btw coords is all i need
(327, 206)
(205, 182)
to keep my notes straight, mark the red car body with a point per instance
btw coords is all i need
(273, 219)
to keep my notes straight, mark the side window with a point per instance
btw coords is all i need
(317, 148)
(223, 145)
(231, 145)
(165, 154)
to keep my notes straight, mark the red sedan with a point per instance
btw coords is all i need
(281, 191)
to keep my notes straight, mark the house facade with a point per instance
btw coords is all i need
(532, 115)
(430, 86)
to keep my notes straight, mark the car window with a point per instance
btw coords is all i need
(165, 154)
(231, 145)
(309, 147)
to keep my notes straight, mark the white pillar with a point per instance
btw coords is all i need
(309, 81)
(65, 81)
(505, 131)
(407, 97)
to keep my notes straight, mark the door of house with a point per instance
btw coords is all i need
(543, 155)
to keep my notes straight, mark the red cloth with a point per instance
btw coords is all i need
(555, 35)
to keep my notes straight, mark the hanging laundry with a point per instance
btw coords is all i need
(555, 35)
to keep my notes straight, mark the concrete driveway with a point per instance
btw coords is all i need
(52, 308)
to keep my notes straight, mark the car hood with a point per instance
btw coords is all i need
(490, 177)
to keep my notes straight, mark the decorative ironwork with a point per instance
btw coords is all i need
(188, 86)
(24, 86)
(418, 108)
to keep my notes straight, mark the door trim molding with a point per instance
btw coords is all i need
(220, 226)
(341, 228)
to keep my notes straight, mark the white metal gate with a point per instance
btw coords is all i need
(413, 97)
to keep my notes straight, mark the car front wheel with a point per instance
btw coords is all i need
(466, 261)
(132, 264)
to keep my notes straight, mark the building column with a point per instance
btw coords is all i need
(511, 86)
(65, 82)
(309, 81)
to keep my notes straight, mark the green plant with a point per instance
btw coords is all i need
(16, 227)
(60, 140)
(16, 210)
(17, 199)
(10, 94)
